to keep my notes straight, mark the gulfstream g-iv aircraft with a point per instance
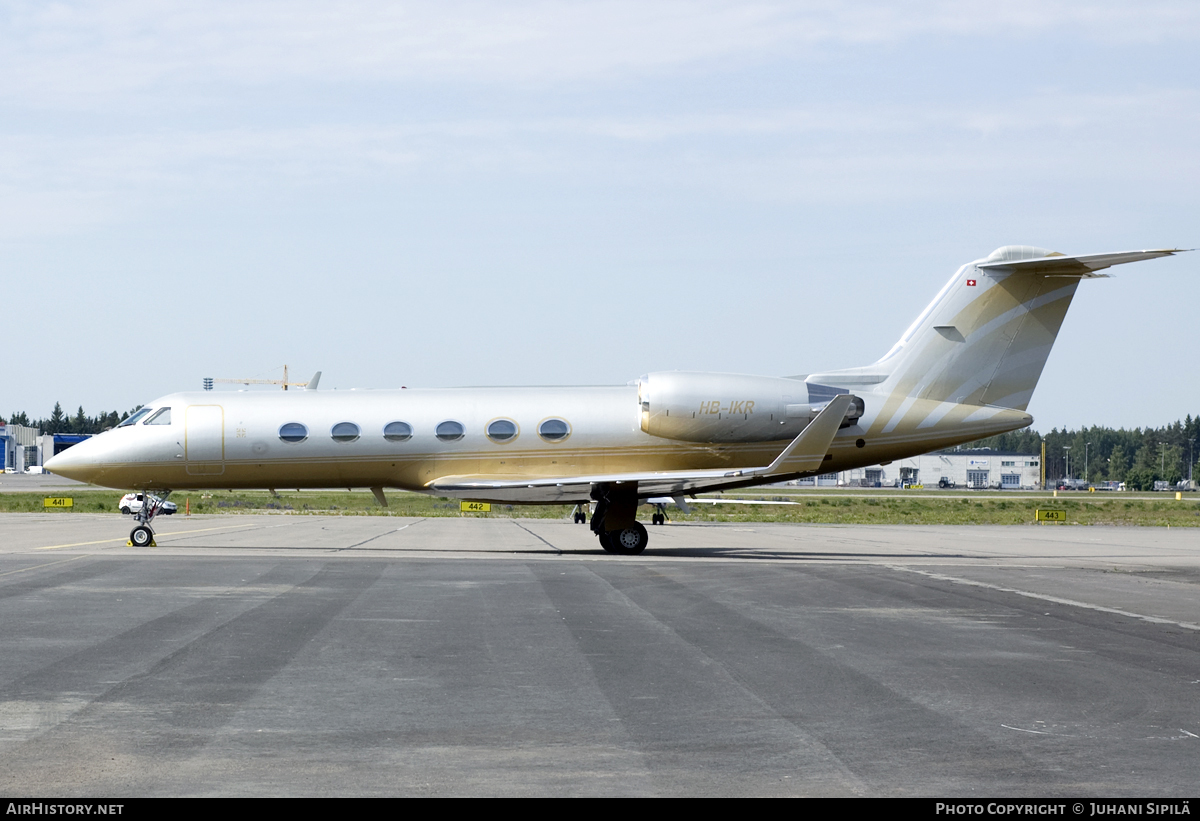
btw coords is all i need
(965, 369)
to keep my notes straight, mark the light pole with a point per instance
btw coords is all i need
(1067, 448)
(1086, 445)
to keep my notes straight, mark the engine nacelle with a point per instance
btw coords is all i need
(730, 407)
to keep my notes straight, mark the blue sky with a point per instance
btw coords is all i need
(578, 193)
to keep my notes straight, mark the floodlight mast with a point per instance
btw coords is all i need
(284, 382)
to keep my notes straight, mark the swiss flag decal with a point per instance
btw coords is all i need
(971, 283)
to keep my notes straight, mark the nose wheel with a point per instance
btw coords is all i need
(142, 535)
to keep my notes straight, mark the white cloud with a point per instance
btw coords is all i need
(868, 150)
(91, 53)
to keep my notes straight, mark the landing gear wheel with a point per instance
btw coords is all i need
(629, 541)
(580, 518)
(141, 536)
(658, 519)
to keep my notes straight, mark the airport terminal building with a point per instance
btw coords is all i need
(23, 447)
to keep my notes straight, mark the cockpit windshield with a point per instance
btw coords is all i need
(163, 417)
(133, 420)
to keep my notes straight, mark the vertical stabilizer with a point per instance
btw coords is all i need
(985, 338)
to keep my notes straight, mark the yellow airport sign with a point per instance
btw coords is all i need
(58, 501)
(474, 507)
(1051, 515)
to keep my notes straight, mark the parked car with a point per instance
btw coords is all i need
(132, 503)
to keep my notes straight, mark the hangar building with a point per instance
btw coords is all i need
(972, 469)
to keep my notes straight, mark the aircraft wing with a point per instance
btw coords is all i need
(1085, 265)
(803, 455)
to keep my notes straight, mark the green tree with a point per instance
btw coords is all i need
(1146, 460)
(57, 422)
(1118, 464)
(1170, 463)
(1139, 479)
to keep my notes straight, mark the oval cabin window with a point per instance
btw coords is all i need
(450, 431)
(502, 430)
(293, 432)
(397, 432)
(554, 430)
(344, 432)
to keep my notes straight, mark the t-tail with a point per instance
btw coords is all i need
(984, 339)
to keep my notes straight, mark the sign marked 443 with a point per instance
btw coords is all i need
(1051, 515)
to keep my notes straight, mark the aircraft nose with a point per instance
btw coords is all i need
(74, 463)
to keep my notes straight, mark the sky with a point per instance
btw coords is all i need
(536, 193)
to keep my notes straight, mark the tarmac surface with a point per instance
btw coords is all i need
(315, 655)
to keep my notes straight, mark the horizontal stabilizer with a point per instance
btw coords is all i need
(1084, 265)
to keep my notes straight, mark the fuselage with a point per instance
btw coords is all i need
(410, 438)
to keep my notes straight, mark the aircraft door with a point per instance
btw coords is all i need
(204, 440)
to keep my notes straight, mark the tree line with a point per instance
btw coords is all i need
(59, 422)
(1138, 457)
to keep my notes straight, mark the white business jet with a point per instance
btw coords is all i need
(965, 369)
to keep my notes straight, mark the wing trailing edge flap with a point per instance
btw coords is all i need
(804, 454)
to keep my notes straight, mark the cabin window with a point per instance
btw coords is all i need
(554, 430)
(293, 432)
(397, 431)
(502, 430)
(344, 432)
(137, 416)
(450, 431)
(163, 417)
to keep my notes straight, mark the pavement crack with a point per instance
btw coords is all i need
(539, 538)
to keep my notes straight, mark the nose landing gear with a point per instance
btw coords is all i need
(142, 535)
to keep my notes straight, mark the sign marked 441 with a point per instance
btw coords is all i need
(58, 501)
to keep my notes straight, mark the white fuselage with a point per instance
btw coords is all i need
(238, 439)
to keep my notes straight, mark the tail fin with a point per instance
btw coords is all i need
(986, 336)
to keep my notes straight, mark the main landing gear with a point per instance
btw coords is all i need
(614, 523)
(628, 541)
(142, 535)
